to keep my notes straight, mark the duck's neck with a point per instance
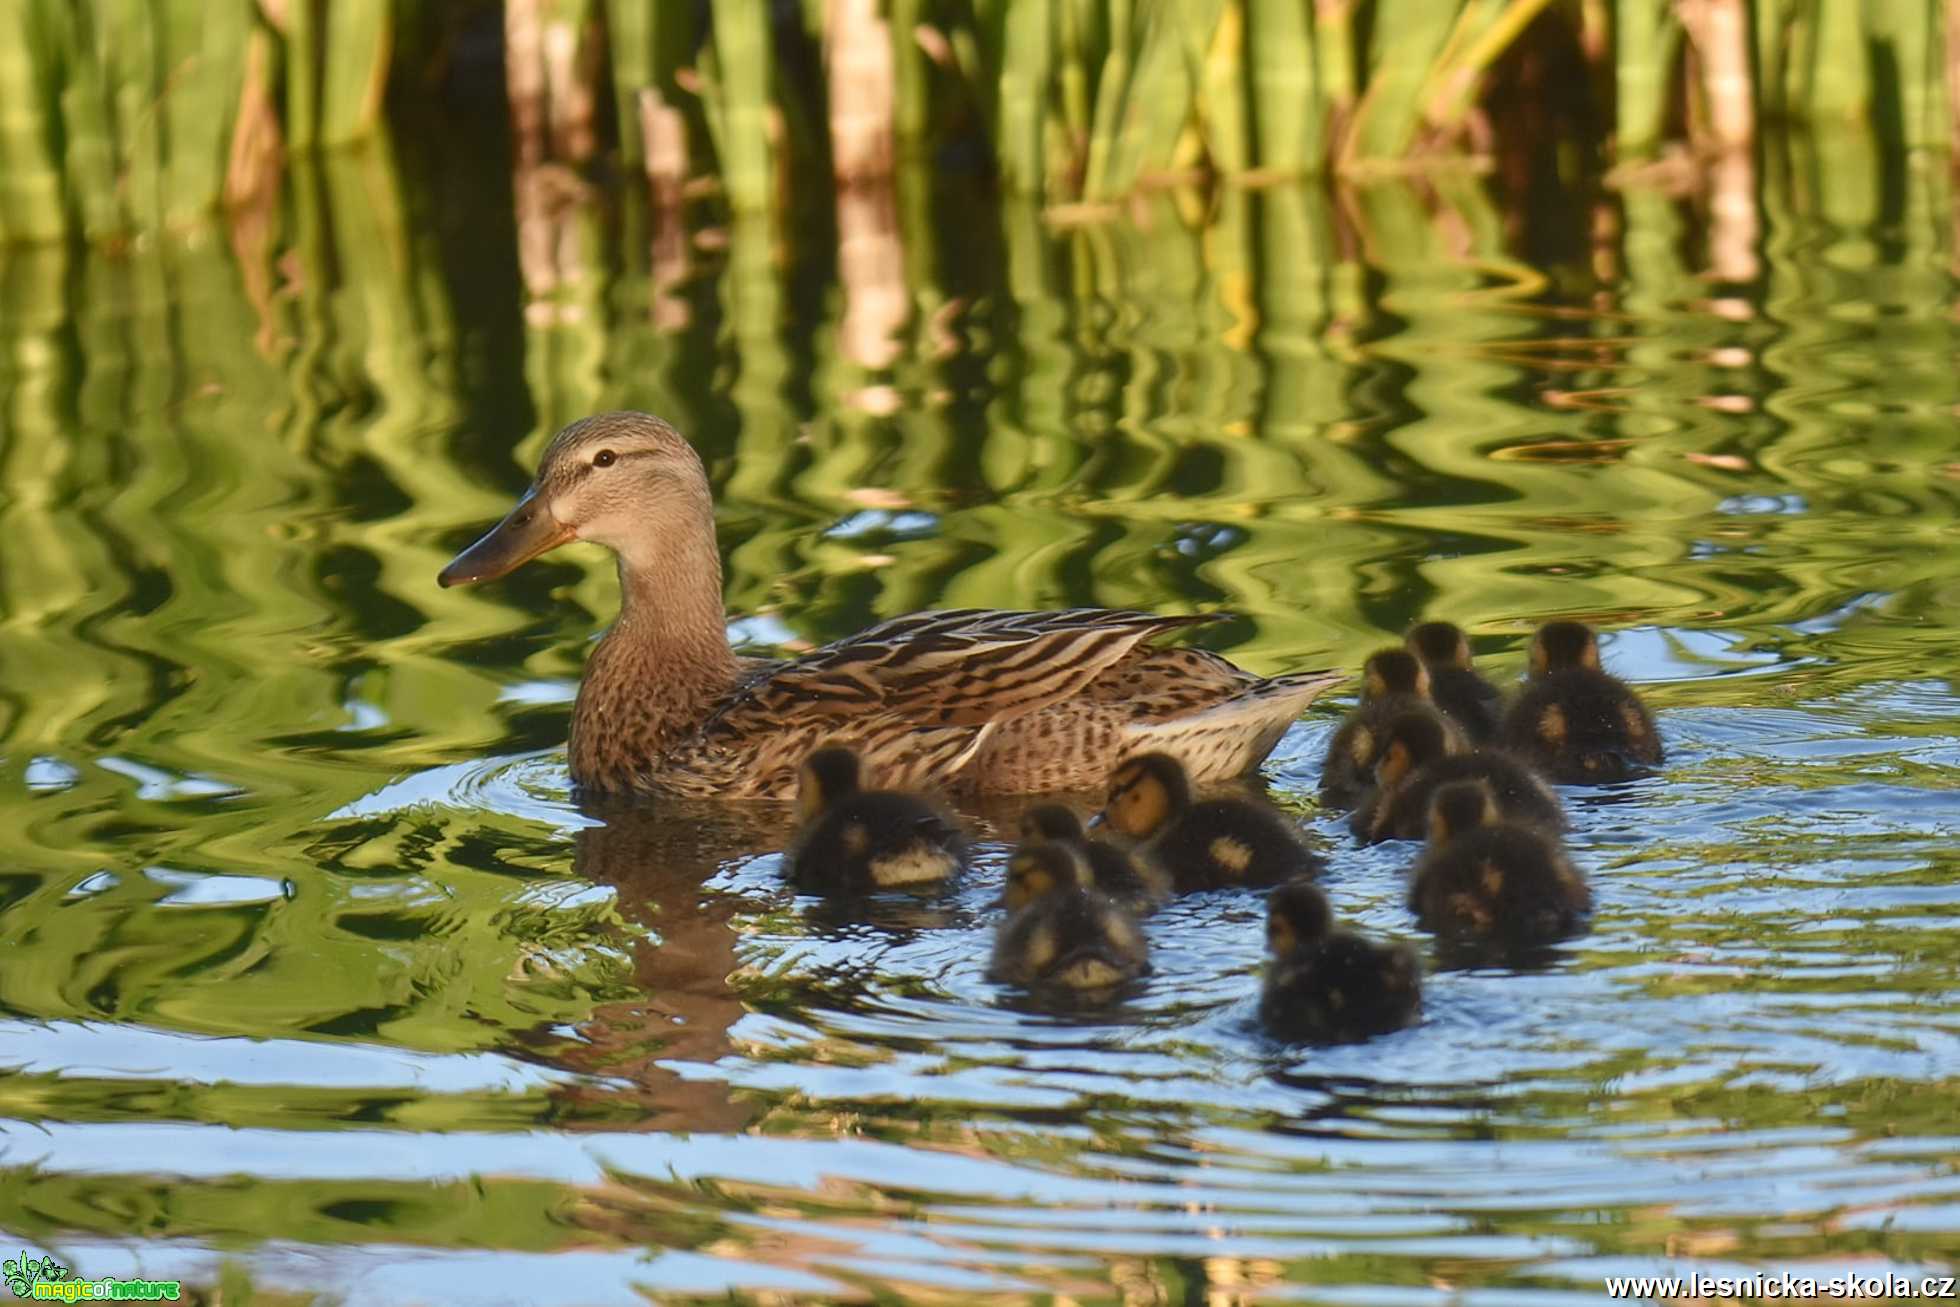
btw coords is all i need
(654, 677)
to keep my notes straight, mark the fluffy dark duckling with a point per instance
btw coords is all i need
(1418, 757)
(1060, 933)
(1472, 704)
(851, 840)
(1134, 884)
(1393, 681)
(1203, 844)
(1489, 881)
(1573, 721)
(1332, 986)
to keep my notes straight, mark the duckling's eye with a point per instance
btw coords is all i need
(604, 458)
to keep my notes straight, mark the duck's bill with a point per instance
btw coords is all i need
(527, 531)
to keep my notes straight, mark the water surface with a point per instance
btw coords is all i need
(316, 978)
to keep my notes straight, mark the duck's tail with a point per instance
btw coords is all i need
(1233, 736)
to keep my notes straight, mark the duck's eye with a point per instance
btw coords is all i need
(604, 458)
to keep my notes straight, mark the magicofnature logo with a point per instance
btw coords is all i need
(49, 1281)
(22, 1273)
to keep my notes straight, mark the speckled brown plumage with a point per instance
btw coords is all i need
(966, 699)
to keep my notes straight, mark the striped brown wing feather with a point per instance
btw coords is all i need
(897, 753)
(963, 667)
(1150, 684)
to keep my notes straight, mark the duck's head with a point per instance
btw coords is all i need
(1393, 671)
(1410, 740)
(1037, 869)
(1145, 792)
(1458, 807)
(1296, 914)
(1561, 646)
(622, 480)
(827, 775)
(1441, 644)
(1051, 822)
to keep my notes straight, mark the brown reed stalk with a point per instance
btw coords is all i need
(862, 68)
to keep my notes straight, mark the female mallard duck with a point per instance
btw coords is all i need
(965, 699)
(1203, 844)
(856, 841)
(1490, 881)
(1418, 756)
(1471, 703)
(1134, 884)
(1573, 721)
(1393, 681)
(1060, 933)
(1330, 986)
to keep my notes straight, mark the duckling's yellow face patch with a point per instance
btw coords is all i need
(1041, 948)
(1028, 878)
(1361, 748)
(1394, 765)
(1232, 855)
(1138, 804)
(1552, 726)
(810, 798)
(1636, 723)
(1123, 933)
(1438, 828)
(1281, 938)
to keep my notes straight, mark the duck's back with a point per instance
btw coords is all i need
(1217, 719)
(1074, 939)
(1583, 726)
(1341, 989)
(1346, 772)
(1231, 843)
(877, 840)
(1472, 704)
(1403, 813)
(1132, 882)
(1504, 884)
(975, 700)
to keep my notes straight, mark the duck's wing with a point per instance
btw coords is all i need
(961, 667)
(1232, 736)
(722, 763)
(916, 696)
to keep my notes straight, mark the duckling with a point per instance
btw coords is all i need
(1471, 703)
(856, 841)
(1417, 756)
(1208, 844)
(1392, 681)
(1493, 881)
(1332, 986)
(1060, 933)
(1573, 721)
(1134, 884)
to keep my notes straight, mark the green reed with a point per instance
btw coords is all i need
(121, 117)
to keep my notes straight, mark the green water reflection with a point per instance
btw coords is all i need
(309, 963)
